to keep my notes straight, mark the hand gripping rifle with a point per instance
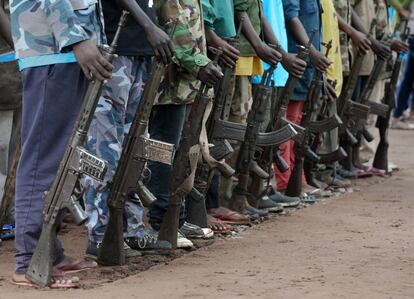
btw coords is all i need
(76, 161)
(137, 150)
(374, 108)
(351, 112)
(303, 148)
(185, 163)
(381, 154)
(279, 119)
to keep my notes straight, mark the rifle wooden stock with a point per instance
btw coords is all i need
(381, 154)
(245, 160)
(181, 182)
(70, 168)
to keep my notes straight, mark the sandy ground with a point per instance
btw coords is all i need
(358, 245)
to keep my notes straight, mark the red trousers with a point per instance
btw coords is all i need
(293, 114)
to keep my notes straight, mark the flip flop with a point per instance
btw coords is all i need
(75, 265)
(218, 226)
(362, 173)
(58, 282)
(232, 217)
(379, 172)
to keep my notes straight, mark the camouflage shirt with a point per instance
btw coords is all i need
(50, 27)
(180, 85)
(343, 9)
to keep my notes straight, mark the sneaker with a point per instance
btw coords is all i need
(194, 231)
(339, 182)
(401, 125)
(346, 173)
(284, 200)
(265, 203)
(183, 242)
(145, 243)
(92, 250)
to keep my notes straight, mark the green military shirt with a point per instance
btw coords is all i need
(253, 9)
(219, 16)
(180, 84)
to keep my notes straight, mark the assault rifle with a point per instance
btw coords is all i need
(381, 154)
(312, 127)
(248, 147)
(76, 161)
(185, 164)
(340, 153)
(137, 150)
(221, 148)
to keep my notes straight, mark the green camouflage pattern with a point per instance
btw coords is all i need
(343, 8)
(179, 84)
(41, 27)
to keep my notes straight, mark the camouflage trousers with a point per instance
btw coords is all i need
(113, 117)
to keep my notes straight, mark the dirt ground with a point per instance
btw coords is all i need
(357, 245)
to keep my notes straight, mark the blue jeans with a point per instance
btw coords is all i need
(52, 97)
(166, 124)
(406, 87)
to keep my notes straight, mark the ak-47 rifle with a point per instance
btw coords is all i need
(340, 153)
(221, 148)
(353, 114)
(248, 147)
(76, 161)
(137, 150)
(312, 127)
(381, 154)
(185, 164)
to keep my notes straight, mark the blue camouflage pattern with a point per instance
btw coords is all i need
(111, 123)
(42, 27)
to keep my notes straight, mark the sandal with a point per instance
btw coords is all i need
(218, 226)
(59, 281)
(379, 172)
(230, 217)
(70, 265)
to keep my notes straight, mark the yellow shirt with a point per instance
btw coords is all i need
(330, 32)
(249, 66)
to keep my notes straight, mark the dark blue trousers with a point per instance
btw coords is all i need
(166, 124)
(52, 97)
(406, 87)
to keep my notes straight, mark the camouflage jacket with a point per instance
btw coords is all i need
(343, 9)
(180, 85)
(44, 28)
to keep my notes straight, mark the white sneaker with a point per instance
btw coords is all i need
(183, 242)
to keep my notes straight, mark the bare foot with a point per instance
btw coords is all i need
(58, 281)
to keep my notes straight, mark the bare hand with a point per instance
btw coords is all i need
(161, 44)
(331, 92)
(381, 49)
(294, 65)
(399, 46)
(404, 13)
(90, 59)
(361, 42)
(210, 74)
(268, 55)
(230, 54)
(319, 60)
